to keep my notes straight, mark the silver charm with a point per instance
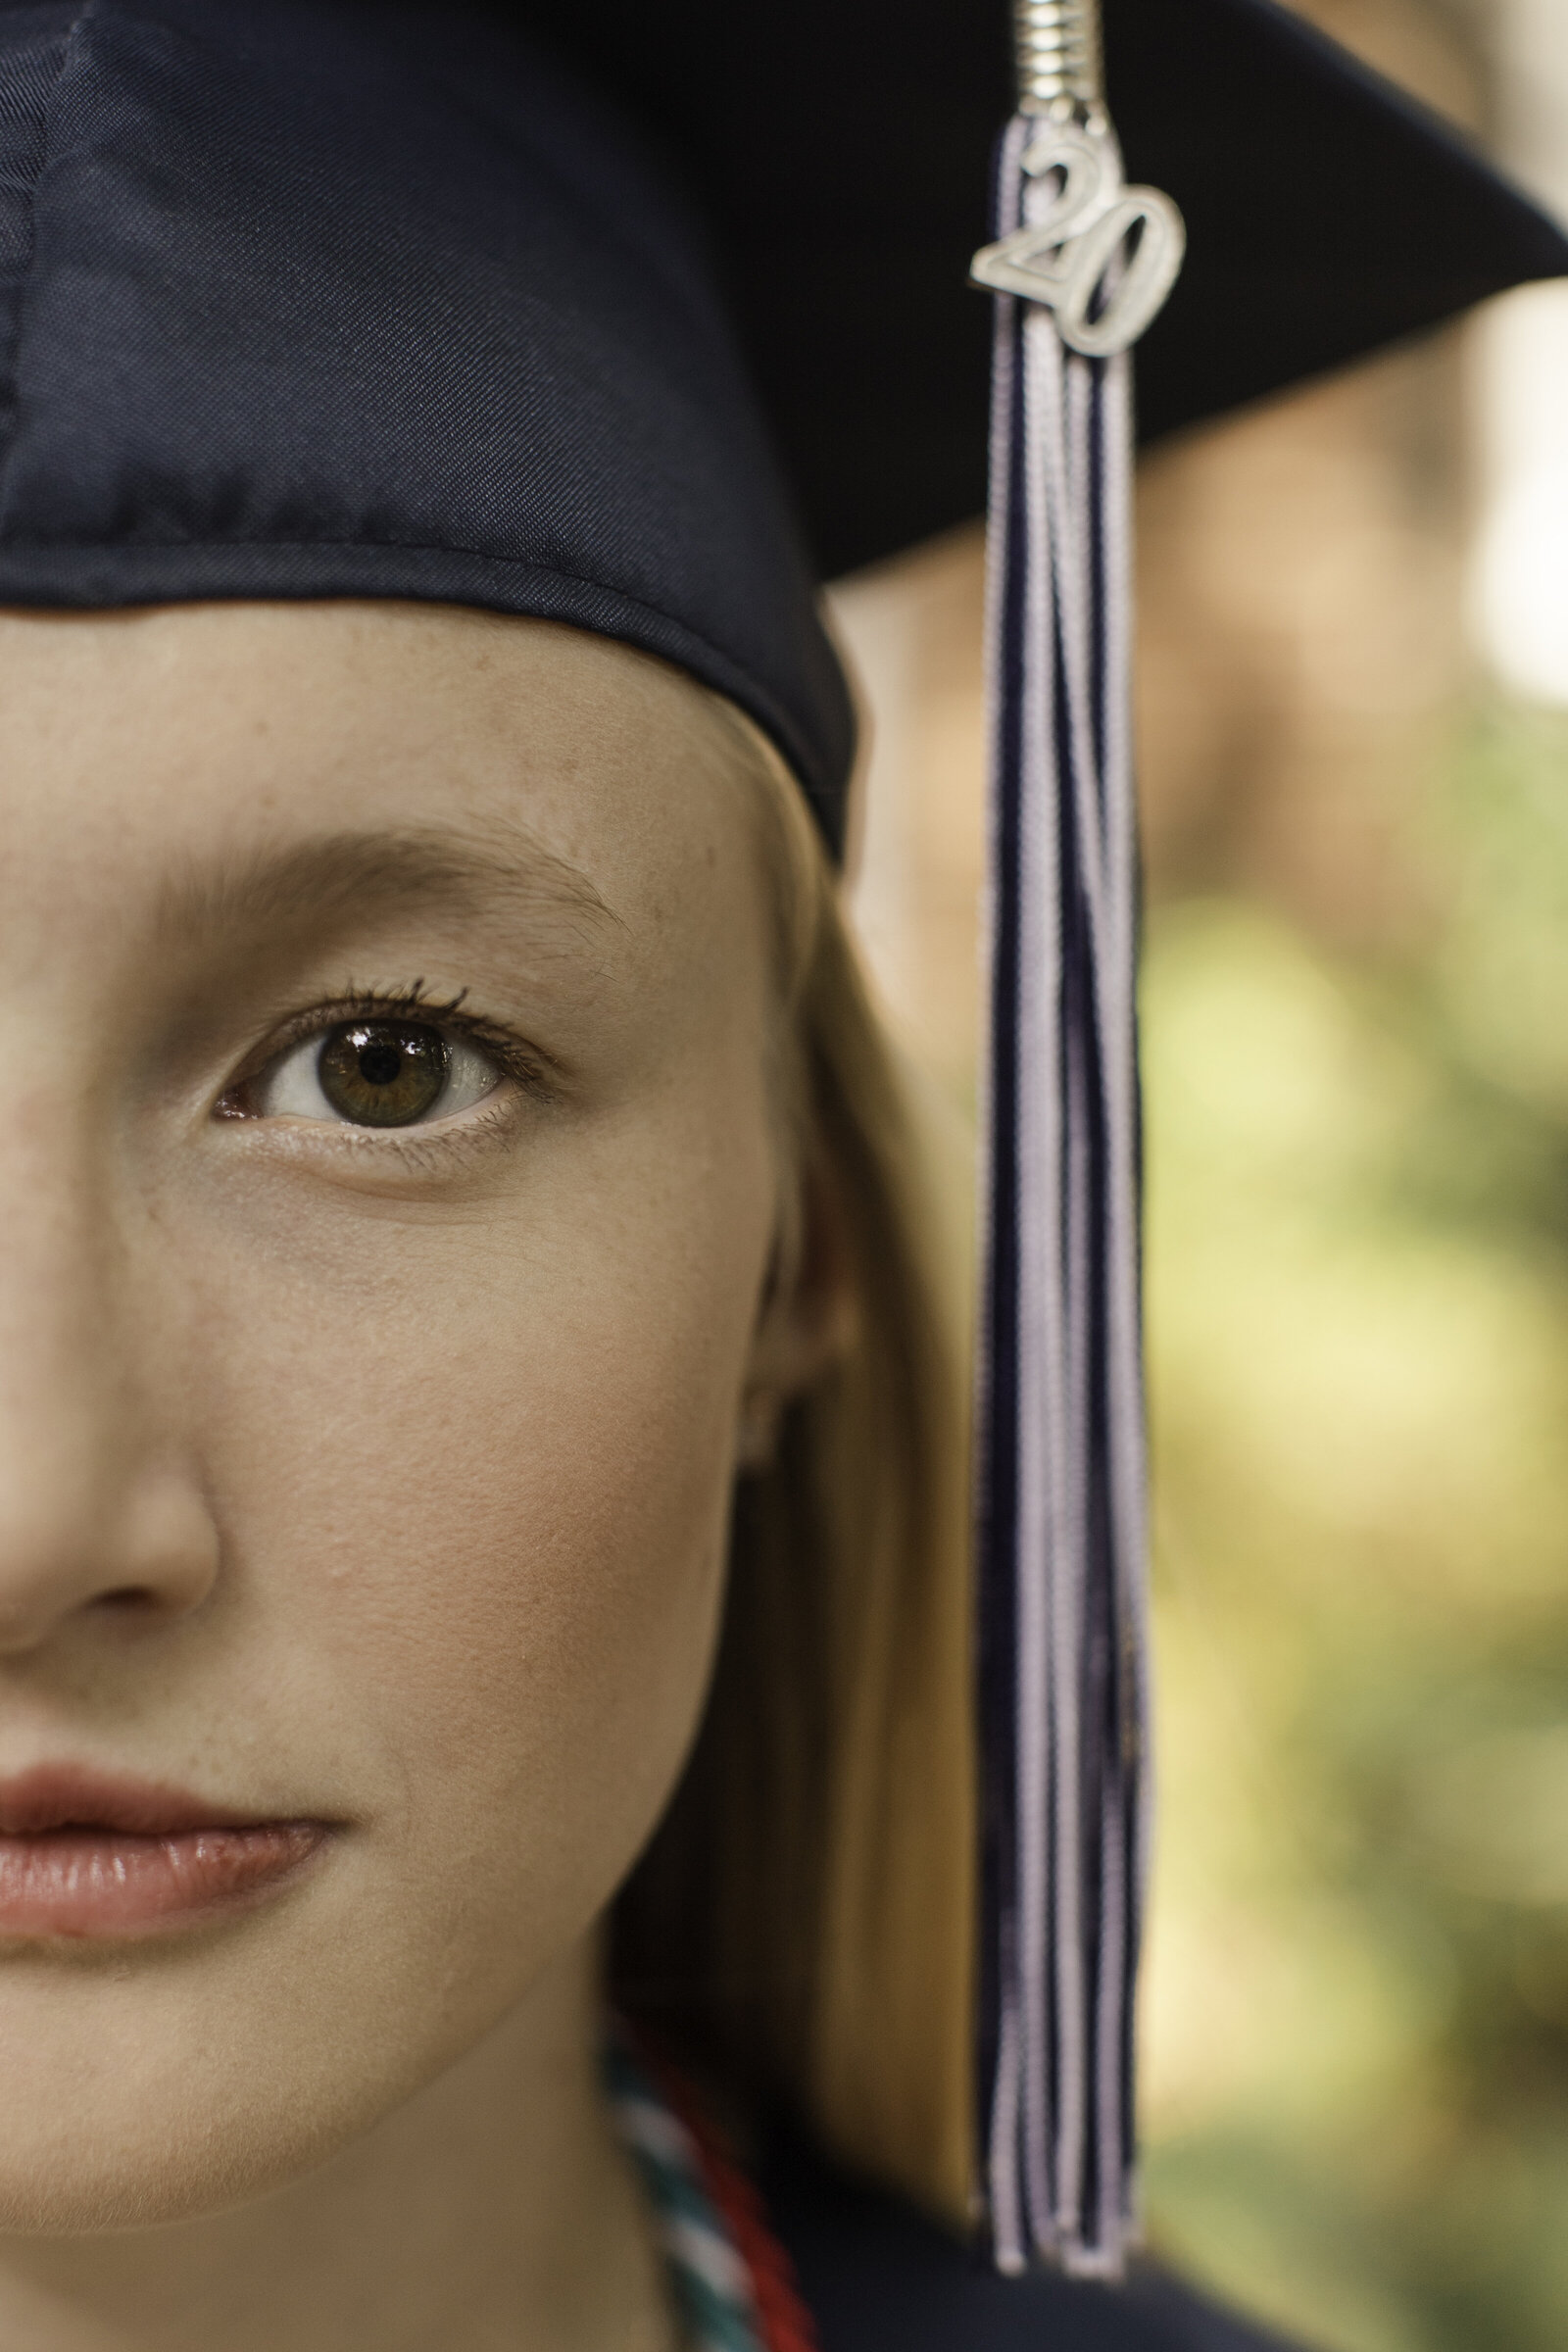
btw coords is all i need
(1087, 239)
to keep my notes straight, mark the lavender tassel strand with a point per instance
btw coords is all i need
(1079, 264)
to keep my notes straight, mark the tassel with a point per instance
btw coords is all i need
(1080, 266)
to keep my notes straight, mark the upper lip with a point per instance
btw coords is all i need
(62, 1796)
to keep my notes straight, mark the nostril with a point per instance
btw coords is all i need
(129, 1559)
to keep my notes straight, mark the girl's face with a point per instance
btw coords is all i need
(388, 1187)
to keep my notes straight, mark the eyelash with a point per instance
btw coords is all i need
(527, 1068)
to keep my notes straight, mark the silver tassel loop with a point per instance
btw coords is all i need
(1080, 266)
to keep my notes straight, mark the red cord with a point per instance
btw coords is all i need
(785, 2324)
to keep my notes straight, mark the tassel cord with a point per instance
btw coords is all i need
(1062, 1478)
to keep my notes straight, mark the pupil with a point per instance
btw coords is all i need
(383, 1073)
(379, 1063)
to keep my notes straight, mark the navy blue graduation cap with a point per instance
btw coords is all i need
(645, 319)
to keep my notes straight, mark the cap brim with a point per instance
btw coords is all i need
(840, 150)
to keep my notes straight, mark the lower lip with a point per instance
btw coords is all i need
(108, 1882)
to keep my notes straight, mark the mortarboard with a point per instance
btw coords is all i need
(644, 320)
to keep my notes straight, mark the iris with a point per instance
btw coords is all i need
(383, 1073)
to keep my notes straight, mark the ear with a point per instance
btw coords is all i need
(808, 1317)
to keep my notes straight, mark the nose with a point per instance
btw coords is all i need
(100, 1518)
(140, 1548)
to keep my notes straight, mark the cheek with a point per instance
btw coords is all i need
(472, 1480)
(476, 1476)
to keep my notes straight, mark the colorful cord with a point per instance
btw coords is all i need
(732, 2277)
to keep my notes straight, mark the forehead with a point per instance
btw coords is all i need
(164, 748)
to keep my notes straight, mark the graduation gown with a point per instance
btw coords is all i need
(877, 2275)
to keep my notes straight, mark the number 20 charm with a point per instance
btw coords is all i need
(1066, 252)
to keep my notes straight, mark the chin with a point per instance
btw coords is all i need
(93, 2160)
(94, 2178)
(151, 2088)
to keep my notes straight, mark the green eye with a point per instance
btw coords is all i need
(383, 1073)
(375, 1072)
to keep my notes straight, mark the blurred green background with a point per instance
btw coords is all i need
(1358, 1325)
(1356, 1008)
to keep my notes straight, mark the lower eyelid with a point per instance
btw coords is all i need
(435, 1148)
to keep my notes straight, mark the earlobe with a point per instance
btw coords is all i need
(757, 1428)
(808, 1315)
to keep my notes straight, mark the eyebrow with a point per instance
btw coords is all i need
(373, 872)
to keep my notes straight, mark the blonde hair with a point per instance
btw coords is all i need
(804, 1917)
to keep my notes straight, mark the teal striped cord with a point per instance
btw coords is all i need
(712, 2284)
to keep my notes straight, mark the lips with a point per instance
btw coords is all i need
(85, 1855)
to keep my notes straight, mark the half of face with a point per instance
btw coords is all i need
(389, 1182)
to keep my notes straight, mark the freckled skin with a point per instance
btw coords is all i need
(376, 1481)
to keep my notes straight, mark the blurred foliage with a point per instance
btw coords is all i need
(1359, 1322)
